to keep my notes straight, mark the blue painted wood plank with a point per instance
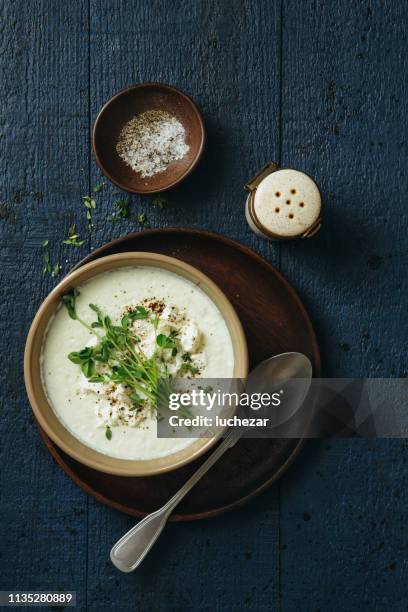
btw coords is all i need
(343, 504)
(207, 49)
(44, 125)
(225, 563)
(343, 542)
(339, 514)
(343, 108)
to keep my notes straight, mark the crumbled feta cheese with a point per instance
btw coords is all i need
(106, 414)
(166, 314)
(113, 405)
(190, 337)
(93, 341)
(85, 386)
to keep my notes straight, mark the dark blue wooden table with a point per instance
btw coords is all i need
(319, 86)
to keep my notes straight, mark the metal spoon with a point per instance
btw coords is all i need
(128, 552)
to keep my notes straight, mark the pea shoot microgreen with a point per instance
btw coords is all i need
(118, 357)
(165, 342)
(69, 300)
(117, 350)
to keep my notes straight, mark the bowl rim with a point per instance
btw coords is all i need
(120, 93)
(114, 465)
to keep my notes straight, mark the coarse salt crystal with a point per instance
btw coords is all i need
(149, 142)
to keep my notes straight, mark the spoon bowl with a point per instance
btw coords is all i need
(289, 376)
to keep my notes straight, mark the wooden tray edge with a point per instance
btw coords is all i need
(99, 252)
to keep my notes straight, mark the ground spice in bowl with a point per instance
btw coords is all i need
(149, 142)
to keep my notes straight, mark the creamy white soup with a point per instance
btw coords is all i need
(100, 368)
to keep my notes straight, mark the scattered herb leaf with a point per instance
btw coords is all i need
(47, 264)
(187, 368)
(90, 205)
(122, 206)
(108, 432)
(49, 268)
(160, 201)
(73, 237)
(143, 220)
(99, 187)
(89, 202)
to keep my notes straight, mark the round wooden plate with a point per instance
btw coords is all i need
(274, 321)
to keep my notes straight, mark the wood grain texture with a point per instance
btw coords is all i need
(43, 131)
(342, 120)
(316, 85)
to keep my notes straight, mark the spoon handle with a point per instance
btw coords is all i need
(230, 438)
(131, 549)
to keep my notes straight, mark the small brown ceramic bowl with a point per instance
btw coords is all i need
(44, 413)
(133, 101)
